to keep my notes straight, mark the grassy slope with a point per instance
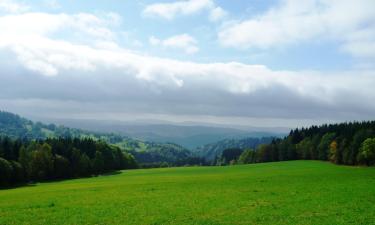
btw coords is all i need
(299, 192)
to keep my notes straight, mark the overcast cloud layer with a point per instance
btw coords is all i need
(72, 65)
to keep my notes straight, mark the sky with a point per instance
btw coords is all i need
(258, 63)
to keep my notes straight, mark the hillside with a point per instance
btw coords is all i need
(295, 192)
(14, 126)
(155, 154)
(213, 150)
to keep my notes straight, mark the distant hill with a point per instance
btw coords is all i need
(14, 126)
(213, 150)
(189, 136)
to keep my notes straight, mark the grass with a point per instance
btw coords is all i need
(296, 192)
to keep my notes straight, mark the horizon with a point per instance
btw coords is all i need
(129, 126)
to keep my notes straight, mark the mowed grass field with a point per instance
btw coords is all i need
(295, 192)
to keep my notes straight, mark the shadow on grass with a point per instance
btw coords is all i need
(111, 173)
(14, 186)
(33, 184)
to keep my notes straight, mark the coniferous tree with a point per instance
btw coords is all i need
(6, 171)
(85, 165)
(62, 167)
(98, 163)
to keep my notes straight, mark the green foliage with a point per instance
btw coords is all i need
(366, 153)
(323, 146)
(85, 167)
(98, 162)
(247, 156)
(41, 164)
(264, 153)
(359, 137)
(24, 159)
(229, 156)
(74, 160)
(304, 149)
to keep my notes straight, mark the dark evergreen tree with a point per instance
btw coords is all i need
(98, 163)
(230, 155)
(6, 172)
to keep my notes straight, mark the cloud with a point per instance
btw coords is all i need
(217, 14)
(44, 24)
(184, 42)
(95, 75)
(52, 4)
(27, 36)
(188, 7)
(10, 6)
(294, 21)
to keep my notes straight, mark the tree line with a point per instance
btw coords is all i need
(23, 160)
(345, 143)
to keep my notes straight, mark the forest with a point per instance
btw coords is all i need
(345, 143)
(23, 160)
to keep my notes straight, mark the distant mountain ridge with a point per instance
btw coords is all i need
(189, 136)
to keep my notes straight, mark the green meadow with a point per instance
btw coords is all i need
(295, 192)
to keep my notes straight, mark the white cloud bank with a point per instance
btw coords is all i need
(184, 42)
(112, 78)
(188, 7)
(351, 23)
